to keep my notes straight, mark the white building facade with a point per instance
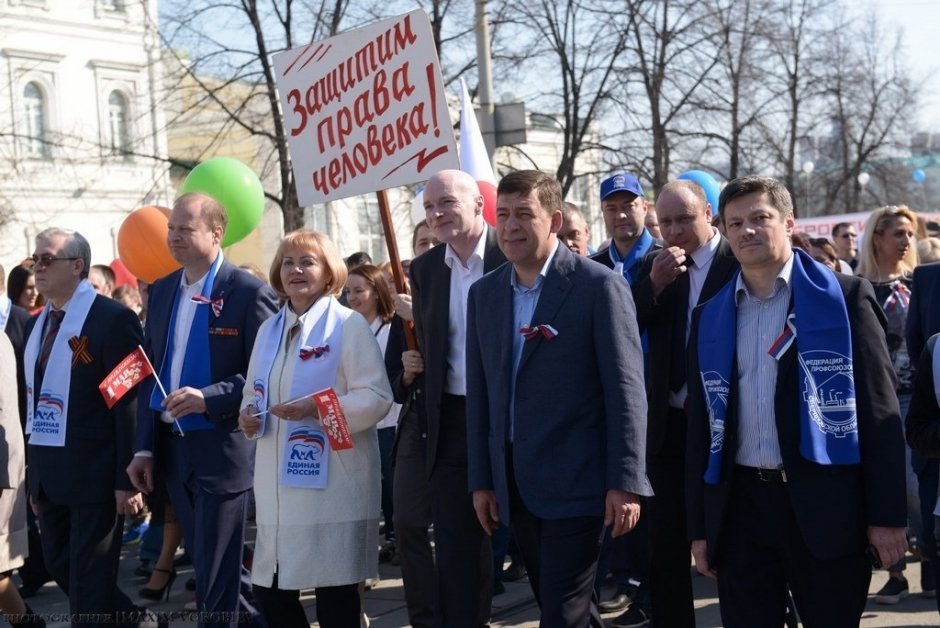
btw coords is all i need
(82, 138)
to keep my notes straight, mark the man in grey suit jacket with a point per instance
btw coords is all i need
(556, 409)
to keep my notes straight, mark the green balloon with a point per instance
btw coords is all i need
(236, 188)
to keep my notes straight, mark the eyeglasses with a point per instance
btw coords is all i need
(891, 209)
(46, 258)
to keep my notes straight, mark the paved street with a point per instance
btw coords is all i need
(385, 603)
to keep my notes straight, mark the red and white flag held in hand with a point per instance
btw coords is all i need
(129, 372)
(333, 419)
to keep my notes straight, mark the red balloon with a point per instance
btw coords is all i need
(142, 243)
(122, 276)
(488, 190)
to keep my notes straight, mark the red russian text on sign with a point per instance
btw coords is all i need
(371, 119)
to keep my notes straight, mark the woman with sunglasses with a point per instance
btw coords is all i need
(887, 259)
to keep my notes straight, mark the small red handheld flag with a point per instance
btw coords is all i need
(333, 419)
(132, 370)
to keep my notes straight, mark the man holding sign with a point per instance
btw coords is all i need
(200, 329)
(440, 280)
(78, 447)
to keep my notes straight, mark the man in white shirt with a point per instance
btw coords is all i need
(440, 281)
(200, 330)
(694, 264)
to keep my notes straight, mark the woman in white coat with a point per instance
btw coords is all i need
(317, 503)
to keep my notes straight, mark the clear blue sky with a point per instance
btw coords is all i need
(920, 21)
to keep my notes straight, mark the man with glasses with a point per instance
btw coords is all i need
(845, 239)
(78, 446)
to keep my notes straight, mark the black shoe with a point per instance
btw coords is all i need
(894, 590)
(163, 592)
(387, 552)
(515, 571)
(30, 590)
(191, 584)
(635, 617)
(616, 604)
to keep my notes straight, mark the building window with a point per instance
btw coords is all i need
(34, 106)
(112, 5)
(118, 124)
(371, 235)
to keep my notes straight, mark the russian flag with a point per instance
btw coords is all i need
(474, 159)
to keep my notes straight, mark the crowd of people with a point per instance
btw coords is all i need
(710, 385)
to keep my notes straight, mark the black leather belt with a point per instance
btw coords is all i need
(775, 476)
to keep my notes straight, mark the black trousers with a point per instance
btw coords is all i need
(762, 553)
(337, 607)
(670, 555)
(82, 548)
(412, 514)
(464, 554)
(560, 556)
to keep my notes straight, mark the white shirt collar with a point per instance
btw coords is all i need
(196, 286)
(451, 258)
(704, 253)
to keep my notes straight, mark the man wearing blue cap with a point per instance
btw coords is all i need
(625, 210)
(624, 216)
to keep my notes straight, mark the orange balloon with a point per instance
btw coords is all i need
(142, 243)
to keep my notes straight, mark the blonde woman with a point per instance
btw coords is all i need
(887, 259)
(317, 506)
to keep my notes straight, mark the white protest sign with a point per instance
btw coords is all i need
(821, 226)
(365, 110)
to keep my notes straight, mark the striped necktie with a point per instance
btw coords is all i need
(55, 321)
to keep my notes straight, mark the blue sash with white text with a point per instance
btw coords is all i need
(828, 420)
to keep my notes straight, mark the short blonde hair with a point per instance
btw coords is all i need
(877, 223)
(322, 248)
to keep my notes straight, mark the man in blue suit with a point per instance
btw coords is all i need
(556, 408)
(200, 330)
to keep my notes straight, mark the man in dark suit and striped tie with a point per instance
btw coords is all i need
(695, 264)
(78, 447)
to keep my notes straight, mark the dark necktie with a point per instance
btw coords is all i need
(55, 321)
(680, 322)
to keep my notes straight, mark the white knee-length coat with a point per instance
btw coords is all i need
(322, 537)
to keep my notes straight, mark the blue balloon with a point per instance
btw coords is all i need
(706, 182)
(919, 175)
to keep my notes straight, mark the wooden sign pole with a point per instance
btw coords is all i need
(398, 273)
